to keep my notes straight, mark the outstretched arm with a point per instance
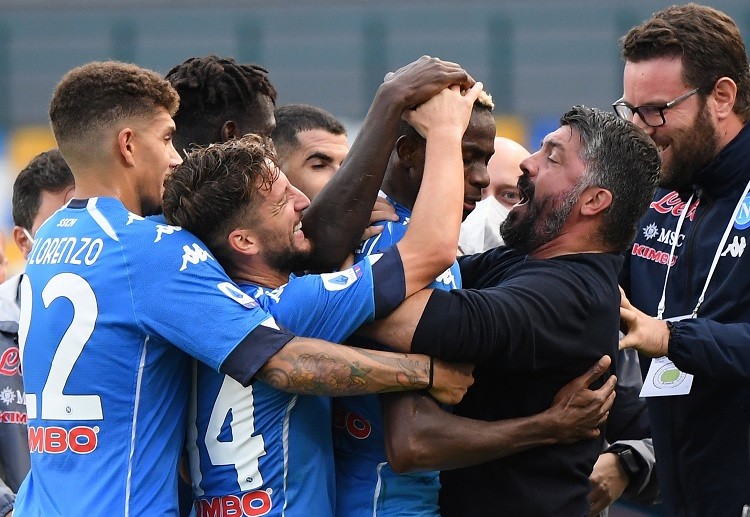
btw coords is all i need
(337, 216)
(429, 245)
(419, 435)
(316, 367)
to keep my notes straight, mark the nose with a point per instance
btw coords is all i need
(174, 157)
(478, 176)
(527, 165)
(638, 121)
(301, 201)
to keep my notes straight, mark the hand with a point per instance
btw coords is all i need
(450, 381)
(648, 335)
(578, 411)
(420, 80)
(382, 211)
(448, 110)
(608, 481)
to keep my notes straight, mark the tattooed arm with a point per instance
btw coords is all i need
(316, 367)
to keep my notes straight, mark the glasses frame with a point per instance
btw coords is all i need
(636, 110)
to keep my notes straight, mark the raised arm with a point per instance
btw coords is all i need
(429, 245)
(316, 367)
(419, 435)
(337, 216)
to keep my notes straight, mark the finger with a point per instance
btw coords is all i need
(473, 92)
(603, 419)
(388, 77)
(371, 231)
(596, 371)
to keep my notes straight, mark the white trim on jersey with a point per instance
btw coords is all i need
(135, 423)
(285, 441)
(376, 495)
(192, 434)
(97, 216)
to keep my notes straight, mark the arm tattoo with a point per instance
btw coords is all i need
(345, 374)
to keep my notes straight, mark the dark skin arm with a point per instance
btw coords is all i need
(338, 215)
(419, 435)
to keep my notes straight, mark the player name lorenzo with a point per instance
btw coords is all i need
(66, 250)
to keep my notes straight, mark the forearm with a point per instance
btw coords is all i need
(421, 436)
(337, 216)
(316, 367)
(429, 245)
(710, 349)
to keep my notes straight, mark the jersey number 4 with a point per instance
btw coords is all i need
(55, 405)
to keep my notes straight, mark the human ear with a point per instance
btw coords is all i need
(724, 95)
(242, 240)
(595, 200)
(125, 145)
(229, 131)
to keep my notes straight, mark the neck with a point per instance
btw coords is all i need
(569, 244)
(396, 186)
(259, 274)
(94, 183)
(729, 130)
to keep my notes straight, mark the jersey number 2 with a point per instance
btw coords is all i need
(55, 405)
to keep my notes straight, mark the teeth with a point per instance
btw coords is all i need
(298, 226)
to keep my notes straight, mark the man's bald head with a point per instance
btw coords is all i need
(504, 171)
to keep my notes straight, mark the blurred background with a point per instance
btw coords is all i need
(536, 57)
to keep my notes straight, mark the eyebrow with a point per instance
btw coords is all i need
(320, 155)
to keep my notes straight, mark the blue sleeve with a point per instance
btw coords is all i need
(332, 306)
(716, 350)
(182, 296)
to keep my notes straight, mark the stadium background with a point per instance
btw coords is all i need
(536, 57)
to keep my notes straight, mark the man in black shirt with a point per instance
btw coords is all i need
(532, 316)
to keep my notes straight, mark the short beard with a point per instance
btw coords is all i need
(697, 148)
(287, 261)
(526, 233)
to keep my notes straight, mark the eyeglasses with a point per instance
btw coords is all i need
(652, 116)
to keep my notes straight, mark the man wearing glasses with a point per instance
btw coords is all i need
(687, 84)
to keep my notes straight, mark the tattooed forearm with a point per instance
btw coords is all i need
(342, 370)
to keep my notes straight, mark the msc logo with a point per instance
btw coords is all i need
(251, 504)
(165, 229)
(66, 223)
(742, 220)
(194, 255)
(54, 440)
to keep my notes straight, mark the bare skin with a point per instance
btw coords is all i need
(422, 436)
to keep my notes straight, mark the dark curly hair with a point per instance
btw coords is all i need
(90, 98)
(215, 189)
(213, 90)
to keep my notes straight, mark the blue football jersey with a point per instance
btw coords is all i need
(261, 451)
(112, 305)
(365, 483)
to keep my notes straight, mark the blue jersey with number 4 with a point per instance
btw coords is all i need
(111, 306)
(261, 451)
(365, 482)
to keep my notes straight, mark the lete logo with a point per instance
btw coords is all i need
(10, 362)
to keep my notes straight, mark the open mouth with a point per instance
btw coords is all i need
(525, 190)
(297, 227)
